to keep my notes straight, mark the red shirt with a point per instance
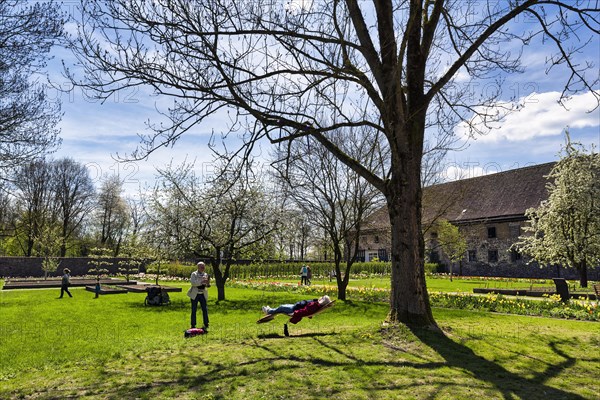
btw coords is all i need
(308, 310)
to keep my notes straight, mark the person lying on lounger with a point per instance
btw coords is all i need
(297, 311)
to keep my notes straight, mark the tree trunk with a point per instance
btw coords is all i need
(341, 290)
(220, 289)
(409, 302)
(583, 279)
(342, 283)
(219, 280)
(63, 241)
(29, 250)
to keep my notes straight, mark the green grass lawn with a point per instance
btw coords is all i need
(114, 347)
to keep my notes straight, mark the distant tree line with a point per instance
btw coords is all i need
(52, 207)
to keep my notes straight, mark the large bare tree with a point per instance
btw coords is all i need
(74, 197)
(283, 70)
(331, 196)
(112, 215)
(34, 202)
(52, 198)
(28, 118)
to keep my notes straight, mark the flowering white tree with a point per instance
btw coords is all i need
(217, 219)
(565, 229)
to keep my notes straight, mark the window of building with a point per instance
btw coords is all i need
(382, 253)
(376, 239)
(360, 255)
(515, 230)
(491, 232)
(492, 256)
(434, 235)
(372, 255)
(515, 256)
(434, 257)
(472, 255)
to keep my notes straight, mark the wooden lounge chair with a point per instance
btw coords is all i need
(271, 317)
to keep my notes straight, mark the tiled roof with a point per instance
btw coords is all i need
(495, 196)
(377, 220)
(504, 194)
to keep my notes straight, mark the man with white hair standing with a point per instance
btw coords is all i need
(198, 293)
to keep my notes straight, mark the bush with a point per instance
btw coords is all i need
(181, 270)
(431, 268)
(292, 269)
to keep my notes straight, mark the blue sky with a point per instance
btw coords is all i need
(94, 133)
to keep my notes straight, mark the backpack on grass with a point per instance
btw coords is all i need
(156, 296)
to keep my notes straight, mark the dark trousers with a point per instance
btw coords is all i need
(64, 289)
(199, 298)
(304, 280)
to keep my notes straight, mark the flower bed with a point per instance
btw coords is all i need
(551, 306)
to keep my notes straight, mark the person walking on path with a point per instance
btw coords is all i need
(65, 283)
(304, 275)
(198, 293)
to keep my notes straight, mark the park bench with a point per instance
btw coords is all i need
(597, 291)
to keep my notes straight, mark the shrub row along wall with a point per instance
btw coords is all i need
(32, 266)
(318, 269)
(13, 267)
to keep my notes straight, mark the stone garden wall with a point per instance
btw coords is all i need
(12, 267)
(522, 270)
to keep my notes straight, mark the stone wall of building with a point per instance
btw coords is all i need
(509, 263)
(486, 238)
(375, 242)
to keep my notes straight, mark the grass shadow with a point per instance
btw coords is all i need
(509, 384)
(291, 336)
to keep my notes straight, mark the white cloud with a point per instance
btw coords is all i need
(541, 116)
(298, 6)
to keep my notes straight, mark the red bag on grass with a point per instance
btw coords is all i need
(193, 332)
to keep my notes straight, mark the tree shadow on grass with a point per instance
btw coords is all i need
(301, 335)
(509, 384)
(295, 360)
(184, 303)
(174, 305)
(340, 356)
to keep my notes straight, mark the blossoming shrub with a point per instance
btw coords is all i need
(292, 269)
(549, 307)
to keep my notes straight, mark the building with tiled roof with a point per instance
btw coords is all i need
(489, 211)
